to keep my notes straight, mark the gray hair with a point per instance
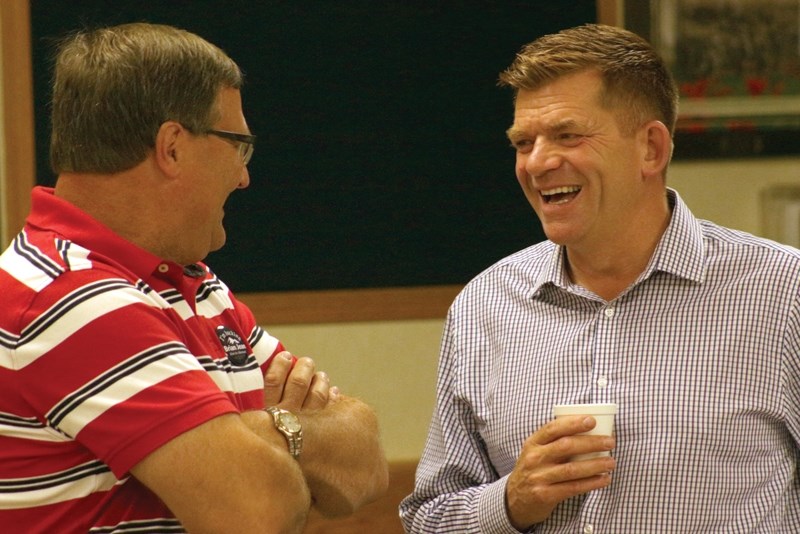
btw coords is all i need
(114, 87)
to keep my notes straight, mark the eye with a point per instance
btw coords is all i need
(569, 138)
(522, 145)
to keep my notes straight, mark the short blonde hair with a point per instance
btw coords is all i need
(636, 82)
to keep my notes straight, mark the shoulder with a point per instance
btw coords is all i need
(515, 274)
(48, 278)
(729, 242)
(748, 261)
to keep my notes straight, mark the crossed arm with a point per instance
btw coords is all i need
(234, 473)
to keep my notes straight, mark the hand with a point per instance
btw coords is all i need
(295, 384)
(544, 475)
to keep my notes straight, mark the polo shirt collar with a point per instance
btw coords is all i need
(49, 212)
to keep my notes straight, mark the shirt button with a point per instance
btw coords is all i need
(588, 529)
(609, 312)
(163, 268)
(602, 382)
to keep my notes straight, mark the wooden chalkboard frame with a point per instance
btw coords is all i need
(270, 308)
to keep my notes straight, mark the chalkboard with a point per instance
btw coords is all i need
(381, 158)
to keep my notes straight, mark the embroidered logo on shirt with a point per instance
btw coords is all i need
(233, 345)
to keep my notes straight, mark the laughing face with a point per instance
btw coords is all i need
(579, 172)
(215, 169)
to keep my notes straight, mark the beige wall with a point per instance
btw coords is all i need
(390, 365)
(728, 192)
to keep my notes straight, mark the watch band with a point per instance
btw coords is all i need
(288, 424)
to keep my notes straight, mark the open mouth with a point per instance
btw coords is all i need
(560, 195)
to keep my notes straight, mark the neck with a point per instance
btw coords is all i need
(126, 202)
(610, 268)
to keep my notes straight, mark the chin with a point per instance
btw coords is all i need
(217, 240)
(558, 236)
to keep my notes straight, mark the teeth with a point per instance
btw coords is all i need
(559, 190)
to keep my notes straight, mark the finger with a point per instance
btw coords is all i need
(318, 392)
(334, 395)
(528, 505)
(533, 490)
(571, 488)
(297, 384)
(565, 490)
(579, 469)
(569, 448)
(275, 377)
(561, 427)
(559, 461)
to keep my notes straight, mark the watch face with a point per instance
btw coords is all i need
(291, 422)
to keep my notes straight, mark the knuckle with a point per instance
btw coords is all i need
(272, 380)
(564, 445)
(299, 380)
(569, 471)
(307, 362)
(320, 395)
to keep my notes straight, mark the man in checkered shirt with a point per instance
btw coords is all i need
(692, 329)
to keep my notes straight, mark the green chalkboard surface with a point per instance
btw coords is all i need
(381, 158)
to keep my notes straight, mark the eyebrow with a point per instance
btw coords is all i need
(513, 133)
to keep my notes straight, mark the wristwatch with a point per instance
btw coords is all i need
(288, 424)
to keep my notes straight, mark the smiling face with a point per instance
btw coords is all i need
(215, 171)
(579, 172)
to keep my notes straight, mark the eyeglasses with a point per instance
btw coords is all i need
(245, 142)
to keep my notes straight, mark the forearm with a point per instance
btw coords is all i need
(342, 459)
(222, 477)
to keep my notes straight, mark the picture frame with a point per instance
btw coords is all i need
(737, 67)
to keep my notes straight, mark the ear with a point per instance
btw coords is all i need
(169, 147)
(658, 149)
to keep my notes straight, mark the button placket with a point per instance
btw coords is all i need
(605, 352)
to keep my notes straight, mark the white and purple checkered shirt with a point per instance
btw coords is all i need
(702, 355)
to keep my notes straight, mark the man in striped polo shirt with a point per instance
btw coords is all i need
(135, 387)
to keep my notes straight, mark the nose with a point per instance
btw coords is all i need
(244, 181)
(542, 158)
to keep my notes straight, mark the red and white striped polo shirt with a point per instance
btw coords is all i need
(106, 353)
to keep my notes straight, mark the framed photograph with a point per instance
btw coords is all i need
(737, 65)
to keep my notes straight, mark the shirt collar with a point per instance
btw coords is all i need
(50, 212)
(679, 252)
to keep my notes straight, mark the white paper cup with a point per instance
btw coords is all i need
(603, 414)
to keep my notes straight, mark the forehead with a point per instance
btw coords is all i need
(565, 102)
(229, 104)
(580, 89)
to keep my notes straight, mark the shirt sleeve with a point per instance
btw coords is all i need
(457, 490)
(121, 381)
(264, 346)
(791, 372)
